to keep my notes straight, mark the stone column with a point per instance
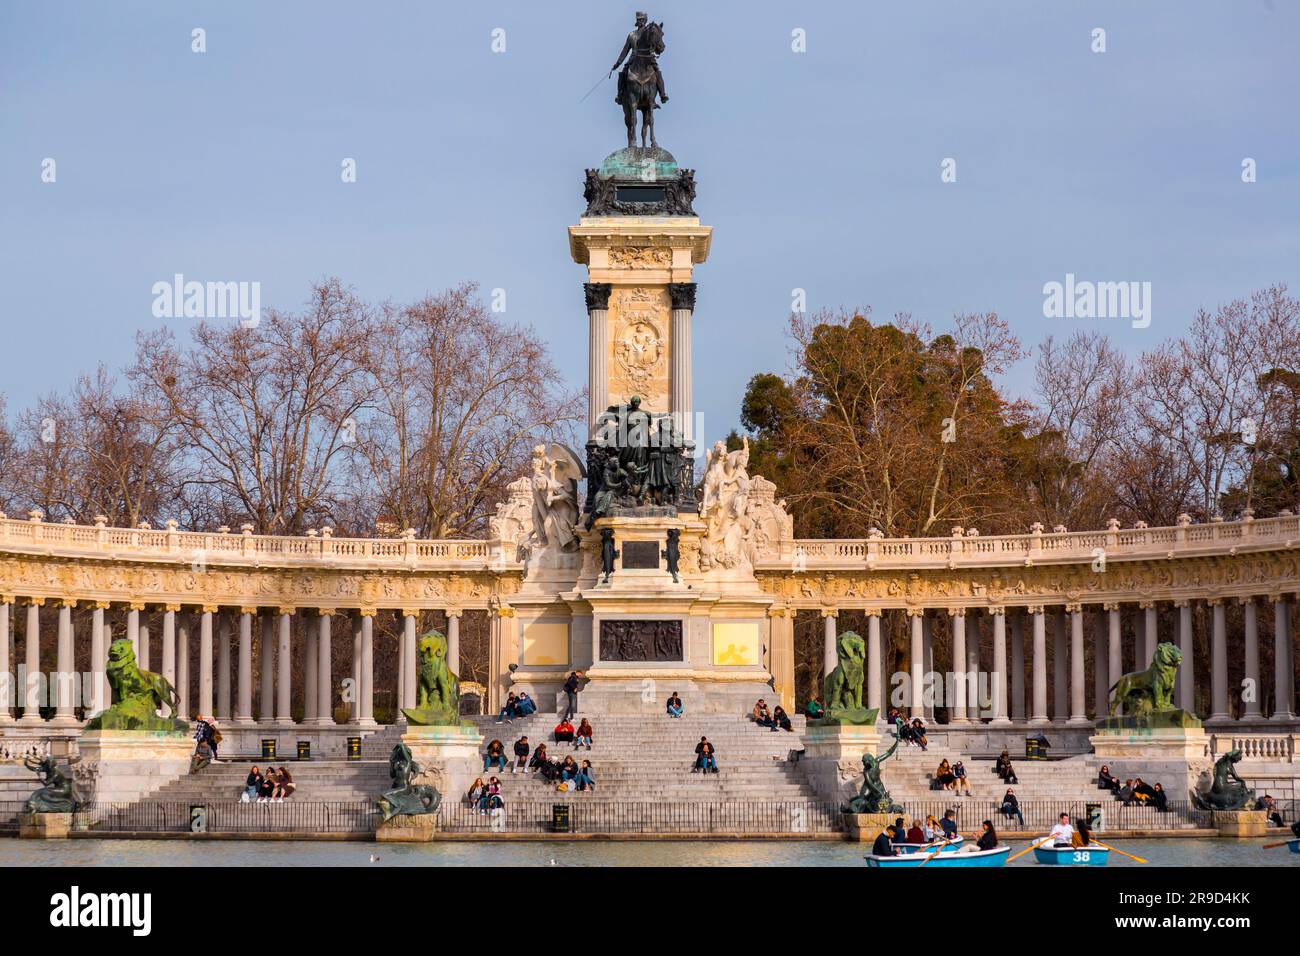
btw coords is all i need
(354, 714)
(169, 646)
(183, 669)
(1100, 670)
(283, 702)
(98, 660)
(1283, 689)
(223, 666)
(408, 655)
(324, 672)
(310, 657)
(1115, 662)
(1018, 666)
(830, 654)
(8, 686)
(1060, 680)
(244, 693)
(974, 667)
(32, 679)
(960, 671)
(1219, 662)
(266, 702)
(927, 643)
(367, 667)
(1253, 686)
(1186, 681)
(453, 639)
(916, 662)
(133, 626)
(143, 657)
(401, 676)
(682, 295)
(597, 294)
(999, 683)
(1039, 664)
(503, 650)
(1078, 710)
(1151, 633)
(780, 643)
(64, 669)
(874, 661)
(205, 660)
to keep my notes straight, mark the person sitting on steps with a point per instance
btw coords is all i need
(564, 731)
(495, 756)
(781, 720)
(1107, 780)
(943, 778)
(284, 785)
(521, 755)
(960, 782)
(759, 714)
(525, 705)
(508, 710)
(1011, 806)
(674, 708)
(705, 757)
(814, 710)
(582, 736)
(586, 779)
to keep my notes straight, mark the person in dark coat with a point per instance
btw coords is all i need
(884, 845)
(989, 838)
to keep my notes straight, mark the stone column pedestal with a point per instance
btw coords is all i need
(448, 756)
(1174, 757)
(1240, 824)
(865, 827)
(126, 765)
(44, 826)
(832, 759)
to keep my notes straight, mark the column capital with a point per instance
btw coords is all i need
(248, 609)
(101, 605)
(995, 609)
(778, 610)
(505, 610)
(1074, 609)
(682, 295)
(1034, 608)
(1183, 602)
(830, 612)
(956, 611)
(326, 611)
(1112, 606)
(1214, 602)
(135, 606)
(67, 602)
(1146, 605)
(410, 612)
(1246, 599)
(597, 295)
(915, 611)
(34, 601)
(366, 611)
(7, 599)
(454, 612)
(873, 611)
(210, 608)
(286, 611)
(173, 608)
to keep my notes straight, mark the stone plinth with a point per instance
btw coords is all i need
(125, 765)
(865, 827)
(1174, 757)
(1241, 823)
(413, 829)
(448, 756)
(833, 758)
(44, 826)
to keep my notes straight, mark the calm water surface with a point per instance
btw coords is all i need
(1183, 852)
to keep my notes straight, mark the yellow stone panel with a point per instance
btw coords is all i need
(546, 643)
(737, 644)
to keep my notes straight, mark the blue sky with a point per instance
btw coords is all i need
(817, 170)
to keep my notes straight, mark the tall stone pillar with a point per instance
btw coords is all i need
(1151, 632)
(1100, 668)
(453, 639)
(780, 642)
(974, 667)
(169, 646)
(1253, 687)
(183, 670)
(1039, 712)
(283, 701)
(1283, 689)
(133, 626)
(1186, 680)
(244, 691)
(961, 675)
(1078, 712)
(325, 671)
(408, 656)
(64, 669)
(597, 294)
(916, 662)
(682, 296)
(1115, 656)
(8, 686)
(503, 651)
(310, 658)
(401, 676)
(1060, 679)
(830, 653)
(205, 660)
(1018, 666)
(927, 644)
(266, 701)
(101, 695)
(354, 715)
(32, 679)
(143, 657)
(223, 666)
(367, 667)
(875, 670)
(999, 683)
(1219, 662)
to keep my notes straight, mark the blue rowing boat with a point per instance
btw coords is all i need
(969, 858)
(909, 848)
(1093, 855)
(1293, 846)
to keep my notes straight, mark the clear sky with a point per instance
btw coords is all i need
(818, 170)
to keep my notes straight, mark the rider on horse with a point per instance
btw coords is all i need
(648, 57)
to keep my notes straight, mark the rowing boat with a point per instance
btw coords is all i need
(969, 858)
(907, 849)
(1072, 856)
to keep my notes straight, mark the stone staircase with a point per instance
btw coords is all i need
(908, 773)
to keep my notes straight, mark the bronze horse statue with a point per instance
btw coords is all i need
(642, 83)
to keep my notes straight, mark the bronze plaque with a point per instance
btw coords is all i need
(640, 555)
(641, 640)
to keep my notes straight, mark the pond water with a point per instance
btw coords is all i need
(1175, 852)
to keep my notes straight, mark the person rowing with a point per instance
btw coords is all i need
(1062, 834)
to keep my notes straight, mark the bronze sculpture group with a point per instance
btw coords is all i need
(437, 688)
(406, 798)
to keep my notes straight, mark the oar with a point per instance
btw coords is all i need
(1274, 846)
(1119, 851)
(1028, 848)
(934, 854)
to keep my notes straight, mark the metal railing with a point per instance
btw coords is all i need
(1043, 814)
(288, 816)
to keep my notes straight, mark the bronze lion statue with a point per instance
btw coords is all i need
(1146, 692)
(843, 688)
